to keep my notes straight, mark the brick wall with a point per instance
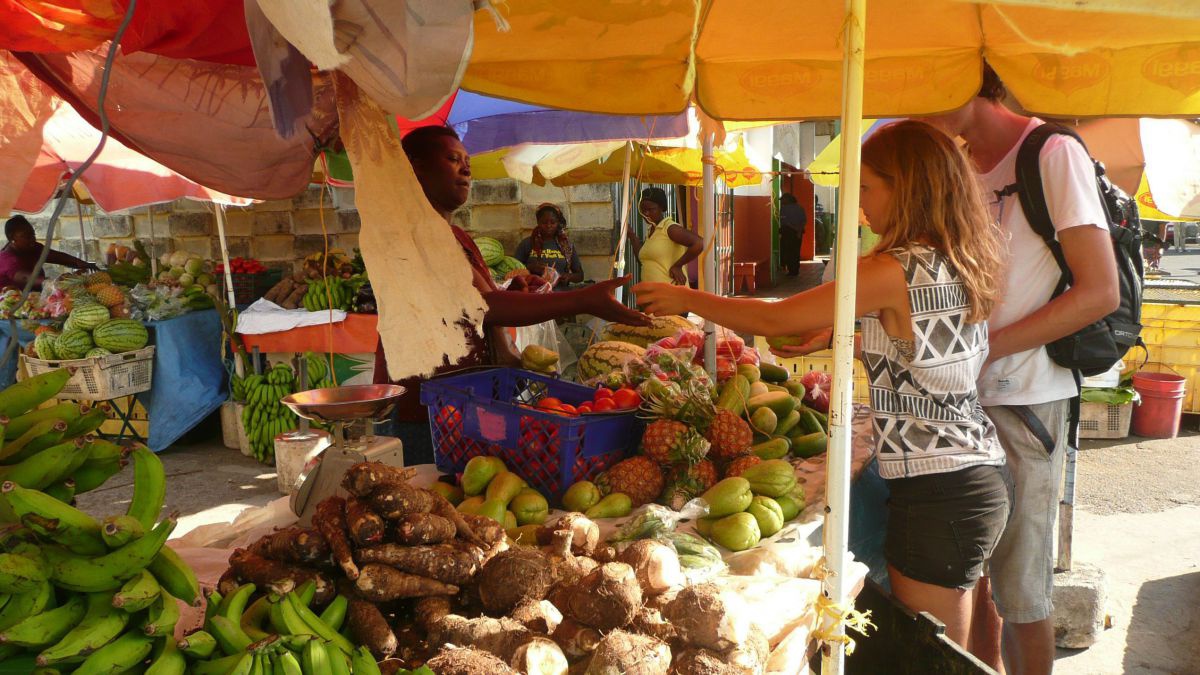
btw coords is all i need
(282, 232)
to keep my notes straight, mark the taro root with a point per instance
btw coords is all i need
(607, 598)
(540, 656)
(622, 653)
(703, 662)
(655, 564)
(467, 661)
(540, 617)
(513, 577)
(702, 619)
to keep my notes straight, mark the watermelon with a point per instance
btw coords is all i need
(603, 358)
(88, 316)
(660, 327)
(492, 250)
(96, 352)
(73, 344)
(43, 344)
(121, 335)
(506, 265)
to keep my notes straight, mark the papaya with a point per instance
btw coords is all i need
(494, 509)
(796, 387)
(505, 486)
(471, 505)
(792, 504)
(787, 423)
(764, 421)
(452, 493)
(478, 472)
(750, 372)
(810, 445)
(774, 448)
(734, 394)
(736, 532)
(772, 477)
(731, 495)
(581, 496)
(768, 513)
(615, 505)
(530, 508)
(769, 372)
(780, 402)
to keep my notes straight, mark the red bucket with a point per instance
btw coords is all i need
(1157, 416)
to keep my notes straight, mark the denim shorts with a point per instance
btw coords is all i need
(942, 527)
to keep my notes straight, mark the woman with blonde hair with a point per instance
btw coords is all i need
(924, 294)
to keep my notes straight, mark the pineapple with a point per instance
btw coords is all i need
(738, 466)
(98, 279)
(639, 477)
(685, 482)
(108, 295)
(729, 435)
(667, 441)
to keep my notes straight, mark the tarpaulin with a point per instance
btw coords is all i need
(356, 335)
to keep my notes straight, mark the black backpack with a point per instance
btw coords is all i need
(1094, 349)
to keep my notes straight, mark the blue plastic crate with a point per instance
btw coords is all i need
(485, 412)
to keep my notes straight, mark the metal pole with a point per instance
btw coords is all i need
(837, 488)
(708, 214)
(229, 294)
(153, 245)
(82, 236)
(626, 189)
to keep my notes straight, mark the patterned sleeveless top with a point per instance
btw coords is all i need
(925, 406)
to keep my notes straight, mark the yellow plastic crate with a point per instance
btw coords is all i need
(1172, 336)
(822, 361)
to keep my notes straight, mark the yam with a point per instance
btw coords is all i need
(703, 662)
(370, 629)
(293, 299)
(363, 478)
(430, 610)
(279, 577)
(516, 576)
(500, 637)
(489, 532)
(467, 661)
(702, 619)
(380, 583)
(424, 528)
(575, 639)
(622, 653)
(297, 545)
(540, 617)
(465, 529)
(330, 520)
(442, 562)
(607, 598)
(365, 526)
(396, 500)
(655, 564)
(540, 656)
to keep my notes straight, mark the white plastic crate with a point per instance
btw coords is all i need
(1102, 420)
(101, 378)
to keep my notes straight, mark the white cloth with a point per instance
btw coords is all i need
(265, 316)
(1031, 273)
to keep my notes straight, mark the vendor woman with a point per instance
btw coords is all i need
(548, 247)
(669, 246)
(20, 256)
(443, 168)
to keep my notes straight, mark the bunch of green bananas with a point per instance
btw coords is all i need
(321, 291)
(87, 595)
(265, 417)
(275, 634)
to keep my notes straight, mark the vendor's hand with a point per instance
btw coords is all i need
(678, 276)
(662, 299)
(815, 341)
(599, 302)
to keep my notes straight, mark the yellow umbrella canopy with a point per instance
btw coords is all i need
(778, 59)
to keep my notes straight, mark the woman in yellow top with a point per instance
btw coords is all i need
(669, 246)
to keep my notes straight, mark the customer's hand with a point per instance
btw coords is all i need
(815, 341)
(599, 302)
(662, 299)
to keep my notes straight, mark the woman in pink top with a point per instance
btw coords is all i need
(20, 255)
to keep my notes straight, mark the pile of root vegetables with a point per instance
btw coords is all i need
(429, 585)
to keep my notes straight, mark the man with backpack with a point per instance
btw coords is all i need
(1026, 393)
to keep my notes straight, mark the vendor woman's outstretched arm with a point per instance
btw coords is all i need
(511, 308)
(881, 285)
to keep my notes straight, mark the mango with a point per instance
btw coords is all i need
(615, 505)
(452, 493)
(471, 505)
(769, 372)
(478, 472)
(772, 478)
(581, 496)
(530, 509)
(728, 496)
(768, 513)
(505, 486)
(494, 509)
(749, 371)
(792, 504)
(764, 421)
(737, 532)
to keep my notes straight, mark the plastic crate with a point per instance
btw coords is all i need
(822, 361)
(250, 287)
(101, 378)
(1102, 420)
(481, 413)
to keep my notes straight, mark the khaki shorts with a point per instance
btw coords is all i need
(1022, 565)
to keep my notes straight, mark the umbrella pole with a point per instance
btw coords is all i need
(83, 253)
(153, 246)
(229, 294)
(626, 190)
(837, 488)
(708, 210)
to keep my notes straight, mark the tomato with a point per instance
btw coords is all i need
(602, 392)
(568, 409)
(626, 399)
(605, 405)
(549, 403)
(584, 408)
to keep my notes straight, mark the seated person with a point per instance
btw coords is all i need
(20, 255)
(549, 247)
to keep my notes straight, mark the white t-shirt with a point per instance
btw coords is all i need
(1069, 183)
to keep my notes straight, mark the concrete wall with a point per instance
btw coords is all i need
(280, 233)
